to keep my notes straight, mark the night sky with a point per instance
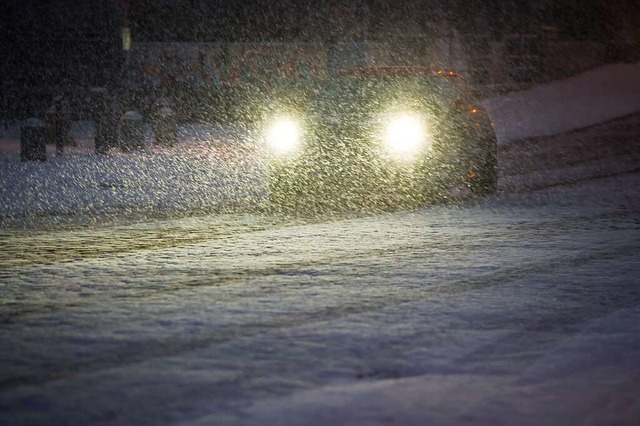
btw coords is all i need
(290, 20)
(44, 35)
(223, 20)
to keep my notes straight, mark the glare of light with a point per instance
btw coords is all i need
(283, 136)
(405, 136)
(126, 39)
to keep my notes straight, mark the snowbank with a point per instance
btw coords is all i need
(589, 98)
(209, 168)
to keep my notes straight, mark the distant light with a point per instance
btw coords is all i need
(126, 39)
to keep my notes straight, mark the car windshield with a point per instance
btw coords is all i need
(363, 95)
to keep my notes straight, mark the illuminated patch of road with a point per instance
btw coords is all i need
(20, 250)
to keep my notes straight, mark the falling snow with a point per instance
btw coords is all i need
(517, 309)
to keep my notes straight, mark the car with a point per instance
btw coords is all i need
(380, 137)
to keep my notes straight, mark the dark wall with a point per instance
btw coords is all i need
(61, 41)
(54, 47)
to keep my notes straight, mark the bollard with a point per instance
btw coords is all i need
(165, 127)
(106, 120)
(58, 124)
(32, 140)
(131, 131)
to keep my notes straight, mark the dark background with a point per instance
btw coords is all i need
(54, 45)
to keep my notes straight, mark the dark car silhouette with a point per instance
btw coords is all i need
(379, 137)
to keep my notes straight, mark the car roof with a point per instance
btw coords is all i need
(396, 71)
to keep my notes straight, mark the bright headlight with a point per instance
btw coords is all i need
(283, 136)
(405, 135)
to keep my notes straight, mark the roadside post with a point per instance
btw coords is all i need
(131, 131)
(58, 124)
(106, 121)
(165, 126)
(32, 140)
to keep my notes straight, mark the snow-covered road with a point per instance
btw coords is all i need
(461, 312)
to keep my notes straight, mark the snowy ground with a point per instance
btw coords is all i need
(598, 95)
(523, 309)
(195, 176)
(519, 309)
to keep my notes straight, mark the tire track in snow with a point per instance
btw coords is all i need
(18, 250)
(12, 311)
(607, 149)
(172, 345)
